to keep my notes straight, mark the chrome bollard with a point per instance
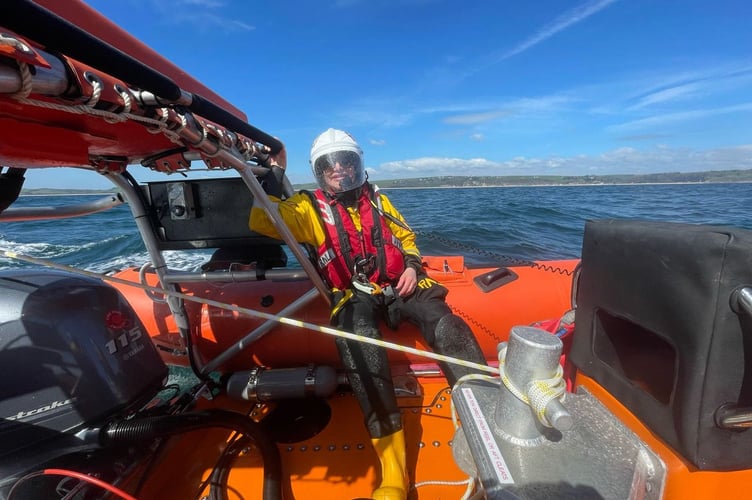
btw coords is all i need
(532, 354)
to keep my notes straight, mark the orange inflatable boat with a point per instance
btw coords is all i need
(622, 375)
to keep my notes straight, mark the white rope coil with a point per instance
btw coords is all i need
(26, 80)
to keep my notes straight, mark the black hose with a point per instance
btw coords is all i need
(204, 107)
(153, 427)
(218, 478)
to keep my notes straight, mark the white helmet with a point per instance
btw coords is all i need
(336, 147)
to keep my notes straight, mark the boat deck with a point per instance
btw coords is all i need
(337, 462)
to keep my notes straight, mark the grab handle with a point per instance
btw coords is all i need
(729, 416)
(741, 301)
(732, 415)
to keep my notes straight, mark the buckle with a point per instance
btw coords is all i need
(360, 282)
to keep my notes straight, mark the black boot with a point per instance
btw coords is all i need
(453, 337)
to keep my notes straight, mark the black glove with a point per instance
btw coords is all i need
(272, 181)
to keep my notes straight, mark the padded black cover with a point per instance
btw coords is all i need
(655, 328)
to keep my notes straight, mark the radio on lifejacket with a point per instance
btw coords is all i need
(361, 270)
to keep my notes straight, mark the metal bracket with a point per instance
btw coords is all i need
(180, 201)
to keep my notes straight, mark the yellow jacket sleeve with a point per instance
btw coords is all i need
(298, 214)
(404, 234)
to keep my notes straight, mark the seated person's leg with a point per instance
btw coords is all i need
(445, 332)
(367, 368)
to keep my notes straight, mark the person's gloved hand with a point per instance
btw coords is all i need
(279, 159)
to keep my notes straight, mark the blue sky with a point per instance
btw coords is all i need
(439, 87)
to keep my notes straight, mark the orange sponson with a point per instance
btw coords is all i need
(538, 293)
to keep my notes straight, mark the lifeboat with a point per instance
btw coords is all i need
(623, 374)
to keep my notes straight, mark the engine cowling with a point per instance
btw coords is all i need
(73, 354)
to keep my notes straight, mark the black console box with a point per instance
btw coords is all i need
(655, 326)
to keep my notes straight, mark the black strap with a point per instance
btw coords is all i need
(344, 239)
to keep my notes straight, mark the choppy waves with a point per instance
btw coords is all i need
(484, 224)
(101, 256)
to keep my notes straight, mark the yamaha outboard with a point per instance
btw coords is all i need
(73, 357)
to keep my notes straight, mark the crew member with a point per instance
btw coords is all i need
(367, 254)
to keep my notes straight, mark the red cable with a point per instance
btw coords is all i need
(83, 477)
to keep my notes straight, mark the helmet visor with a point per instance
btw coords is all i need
(339, 171)
(345, 159)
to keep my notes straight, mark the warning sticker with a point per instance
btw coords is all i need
(487, 438)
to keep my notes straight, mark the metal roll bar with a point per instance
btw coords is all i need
(62, 212)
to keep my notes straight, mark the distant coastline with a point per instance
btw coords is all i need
(66, 192)
(706, 177)
(556, 185)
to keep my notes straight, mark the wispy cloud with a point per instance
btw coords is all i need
(204, 16)
(210, 22)
(681, 116)
(671, 94)
(202, 3)
(395, 113)
(473, 118)
(452, 73)
(564, 21)
(681, 87)
(392, 4)
(643, 137)
(385, 114)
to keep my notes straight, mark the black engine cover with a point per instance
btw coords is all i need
(73, 354)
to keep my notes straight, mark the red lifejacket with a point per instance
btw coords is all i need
(344, 245)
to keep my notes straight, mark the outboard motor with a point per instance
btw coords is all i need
(73, 356)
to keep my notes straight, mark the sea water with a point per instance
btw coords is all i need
(486, 225)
